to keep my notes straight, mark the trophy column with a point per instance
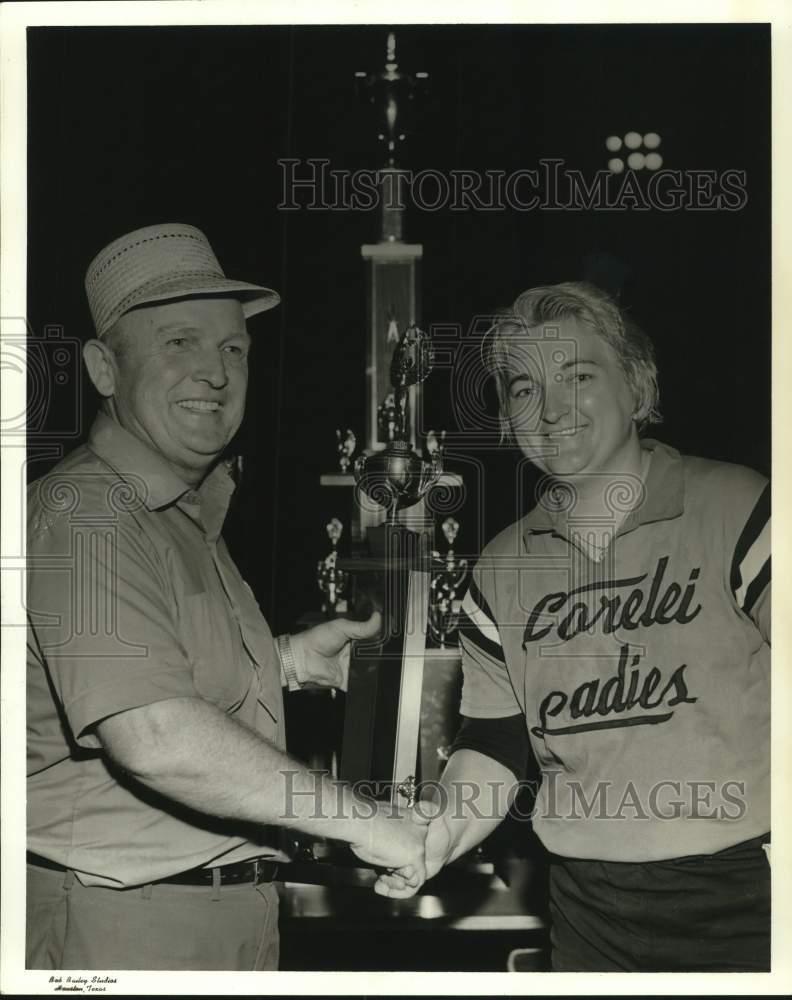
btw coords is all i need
(391, 530)
(392, 305)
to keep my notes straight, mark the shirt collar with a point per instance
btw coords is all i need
(664, 499)
(215, 496)
(147, 472)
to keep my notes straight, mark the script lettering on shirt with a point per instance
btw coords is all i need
(576, 611)
(617, 695)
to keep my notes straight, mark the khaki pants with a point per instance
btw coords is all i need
(71, 926)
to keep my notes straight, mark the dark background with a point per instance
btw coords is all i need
(133, 126)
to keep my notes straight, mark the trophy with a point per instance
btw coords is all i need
(396, 477)
(332, 580)
(234, 467)
(392, 95)
(434, 443)
(346, 449)
(445, 586)
(386, 419)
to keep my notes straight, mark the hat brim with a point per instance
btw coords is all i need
(253, 298)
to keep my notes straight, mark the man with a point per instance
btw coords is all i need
(623, 627)
(156, 763)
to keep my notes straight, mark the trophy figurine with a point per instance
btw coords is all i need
(332, 580)
(435, 442)
(346, 449)
(445, 586)
(396, 477)
(386, 418)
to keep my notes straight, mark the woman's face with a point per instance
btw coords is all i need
(569, 404)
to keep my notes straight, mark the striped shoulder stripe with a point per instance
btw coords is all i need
(758, 584)
(480, 601)
(750, 570)
(477, 625)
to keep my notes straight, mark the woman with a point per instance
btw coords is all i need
(621, 628)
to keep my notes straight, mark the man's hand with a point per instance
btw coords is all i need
(407, 880)
(322, 652)
(394, 838)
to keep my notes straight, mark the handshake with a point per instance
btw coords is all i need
(412, 844)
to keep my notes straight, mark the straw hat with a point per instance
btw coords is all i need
(158, 263)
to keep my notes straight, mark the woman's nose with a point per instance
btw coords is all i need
(557, 401)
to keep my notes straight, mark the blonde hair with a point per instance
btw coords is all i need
(587, 304)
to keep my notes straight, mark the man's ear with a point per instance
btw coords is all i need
(102, 367)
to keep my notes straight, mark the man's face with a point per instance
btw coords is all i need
(570, 406)
(181, 379)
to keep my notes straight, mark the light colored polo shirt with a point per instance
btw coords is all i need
(643, 675)
(133, 598)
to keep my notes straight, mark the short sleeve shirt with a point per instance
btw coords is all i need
(133, 598)
(643, 676)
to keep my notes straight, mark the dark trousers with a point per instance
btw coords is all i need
(704, 913)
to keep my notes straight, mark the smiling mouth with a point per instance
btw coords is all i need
(199, 405)
(568, 432)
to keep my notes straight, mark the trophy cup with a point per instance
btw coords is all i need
(396, 477)
(332, 580)
(444, 587)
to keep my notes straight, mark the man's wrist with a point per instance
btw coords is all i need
(289, 662)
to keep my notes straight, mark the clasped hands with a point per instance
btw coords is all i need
(412, 844)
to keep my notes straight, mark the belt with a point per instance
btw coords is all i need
(253, 872)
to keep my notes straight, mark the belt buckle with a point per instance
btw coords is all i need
(263, 870)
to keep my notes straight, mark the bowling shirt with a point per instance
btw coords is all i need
(132, 598)
(642, 669)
